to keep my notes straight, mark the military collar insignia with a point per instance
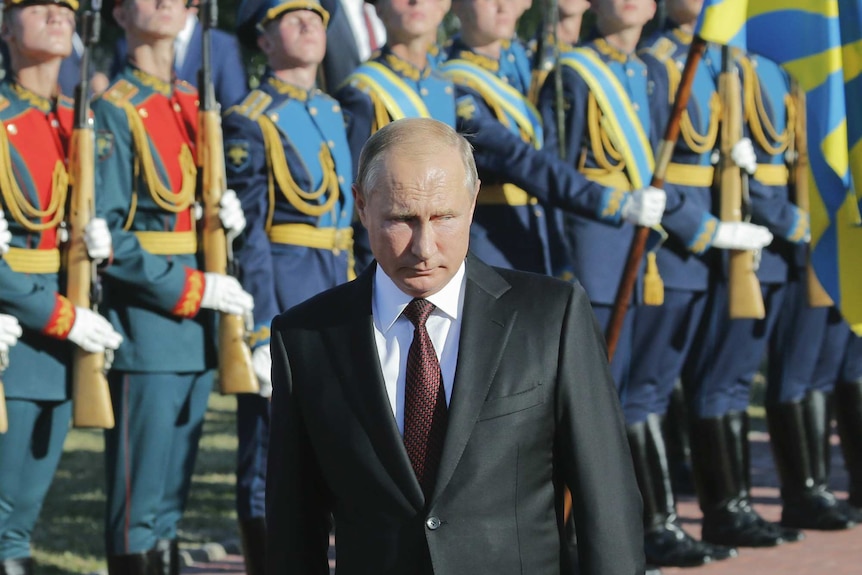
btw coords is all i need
(405, 68)
(290, 90)
(480, 60)
(151, 81)
(607, 49)
(37, 101)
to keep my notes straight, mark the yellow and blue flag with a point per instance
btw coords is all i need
(824, 53)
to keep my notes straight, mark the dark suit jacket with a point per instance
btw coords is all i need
(533, 407)
(342, 56)
(229, 79)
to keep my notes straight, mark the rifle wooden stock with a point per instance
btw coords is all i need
(4, 419)
(817, 296)
(746, 298)
(236, 374)
(91, 397)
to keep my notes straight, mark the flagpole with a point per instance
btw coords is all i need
(663, 158)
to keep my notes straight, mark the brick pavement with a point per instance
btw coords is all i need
(835, 553)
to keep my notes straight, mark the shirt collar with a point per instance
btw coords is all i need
(389, 301)
(185, 35)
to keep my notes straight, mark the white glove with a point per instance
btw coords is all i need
(5, 234)
(741, 236)
(261, 361)
(93, 333)
(743, 156)
(223, 293)
(644, 207)
(10, 331)
(230, 213)
(97, 238)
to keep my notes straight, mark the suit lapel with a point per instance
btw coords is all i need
(484, 331)
(363, 384)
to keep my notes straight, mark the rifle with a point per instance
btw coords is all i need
(91, 396)
(4, 418)
(746, 298)
(236, 374)
(800, 169)
(548, 52)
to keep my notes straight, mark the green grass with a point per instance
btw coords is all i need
(69, 535)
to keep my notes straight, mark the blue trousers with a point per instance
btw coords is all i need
(253, 433)
(727, 353)
(29, 454)
(150, 455)
(663, 336)
(621, 361)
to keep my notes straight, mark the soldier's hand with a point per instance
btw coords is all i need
(230, 213)
(10, 331)
(5, 234)
(97, 238)
(644, 207)
(261, 361)
(743, 156)
(223, 293)
(92, 332)
(741, 236)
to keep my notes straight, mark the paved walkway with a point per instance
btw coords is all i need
(832, 553)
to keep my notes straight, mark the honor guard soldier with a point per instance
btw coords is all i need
(287, 157)
(34, 147)
(848, 416)
(799, 419)
(729, 518)
(399, 81)
(610, 133)
(155, 290)
(492, 79)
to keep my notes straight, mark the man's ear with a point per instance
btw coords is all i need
(120, 15)
(359, 203)
(264, 43)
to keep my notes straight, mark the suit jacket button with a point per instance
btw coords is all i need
(432, 523)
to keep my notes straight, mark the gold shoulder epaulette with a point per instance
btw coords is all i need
(4, 103)
(662, 49)
(185, 87)
(121, 92)
(253, 105)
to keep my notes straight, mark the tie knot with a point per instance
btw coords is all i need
(417, 311)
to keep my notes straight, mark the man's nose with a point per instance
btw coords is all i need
(424, 243)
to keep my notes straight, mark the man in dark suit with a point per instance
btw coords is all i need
(442, 443)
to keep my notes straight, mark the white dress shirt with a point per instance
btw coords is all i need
(393, 333)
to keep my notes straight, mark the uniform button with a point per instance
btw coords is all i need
(448, 89)
(143, 113)
(538, 213)
(636, 106)
(432, 523)
(331, 144)
(511, 58)
(312, 111)
(54, 123)
(336, 108)
(177, 107)
(273, 117)
(12, 129)
(423, 91)
(340, 179)
(630, 72)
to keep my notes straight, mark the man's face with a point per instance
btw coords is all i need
(684, 11)
(151, 19)
(408, 19)
(418, 219)
(298, 38)
(573, 7)
(40, 32)
(489, 20)
(613, 15)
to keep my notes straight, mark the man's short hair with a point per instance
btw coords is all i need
(419, 135)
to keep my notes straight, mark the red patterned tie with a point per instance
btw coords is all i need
(425, 412)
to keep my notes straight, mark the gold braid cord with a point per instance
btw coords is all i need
(162, 195)
(696, 142)
(762, 129)
(304, 202)
(600, 140)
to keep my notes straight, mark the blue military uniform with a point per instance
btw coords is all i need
(34, 143)
(610, 134)
(160, 378)
(519, 179)
(288, 159)
(384, 89)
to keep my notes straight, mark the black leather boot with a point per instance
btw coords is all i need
(720, 460)
(252, 534)
(676, 430)
(131, 564)
(18, 566)
(848, 417)
(799, 438)
(166, 557)
(665, 542)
